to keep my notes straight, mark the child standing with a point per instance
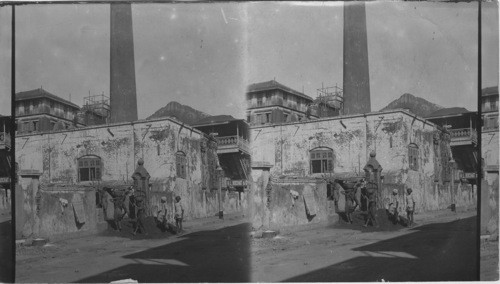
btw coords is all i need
(179, 213)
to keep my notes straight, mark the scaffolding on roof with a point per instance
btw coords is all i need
(329, 101)
(97, 104)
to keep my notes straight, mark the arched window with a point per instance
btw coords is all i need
(321, 160)
(181, 164)
(413, 156)
(89, 168)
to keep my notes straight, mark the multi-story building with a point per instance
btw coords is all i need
(489, 136)
(40, 111)
(490, 161)
(75, 164)
(461, 125)
(489, 109)
(271, 102)
(233, 148)
(410, 152)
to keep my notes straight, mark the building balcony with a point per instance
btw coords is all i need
(5, 141)
(232, 144)
(463, 136)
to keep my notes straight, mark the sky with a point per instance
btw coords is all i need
(205, 55)
(428, 49)
(186, 53)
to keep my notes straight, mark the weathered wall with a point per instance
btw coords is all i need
(490, 154)
(352, 138)
(489, 186)
(288, 211)
(43, 215)
(202, 203)
(120, 146)
(258, 211)
(272, 205)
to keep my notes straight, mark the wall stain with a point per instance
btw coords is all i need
(160, 135)
(392, 127)
(112, 145)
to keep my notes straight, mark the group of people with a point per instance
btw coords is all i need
(367, 191)
(162, 217)
(117, 204)
(393, 206)
(353, 202)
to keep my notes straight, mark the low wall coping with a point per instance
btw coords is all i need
(261, 164)
(30, 172)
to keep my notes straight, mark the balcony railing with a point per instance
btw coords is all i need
(463, 136)
(229, 144)
(288, 104)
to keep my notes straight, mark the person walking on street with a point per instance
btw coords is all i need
(179, 213)
(410, 206)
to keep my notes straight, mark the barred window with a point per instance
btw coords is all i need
(413, 156)
(89, 168)
(321, 161)
(181, 164)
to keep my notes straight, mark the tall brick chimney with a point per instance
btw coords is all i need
(356, 76)
(122, 68)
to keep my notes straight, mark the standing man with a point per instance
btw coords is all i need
(371, 197)
(410, 206)
(140, 207)
(357, 193)
(162, 214)
(118, 202)
(392, 211)
(179, 213)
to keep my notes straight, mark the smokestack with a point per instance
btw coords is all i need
(356, 71)
(123, 97)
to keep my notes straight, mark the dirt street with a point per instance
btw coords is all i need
(213, 252)
(441, 247)
(489, 260)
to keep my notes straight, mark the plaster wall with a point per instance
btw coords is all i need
(289, 211)
(490, 154)
(120, 146)
(489, 186)
(43, 214)
(352, 138)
